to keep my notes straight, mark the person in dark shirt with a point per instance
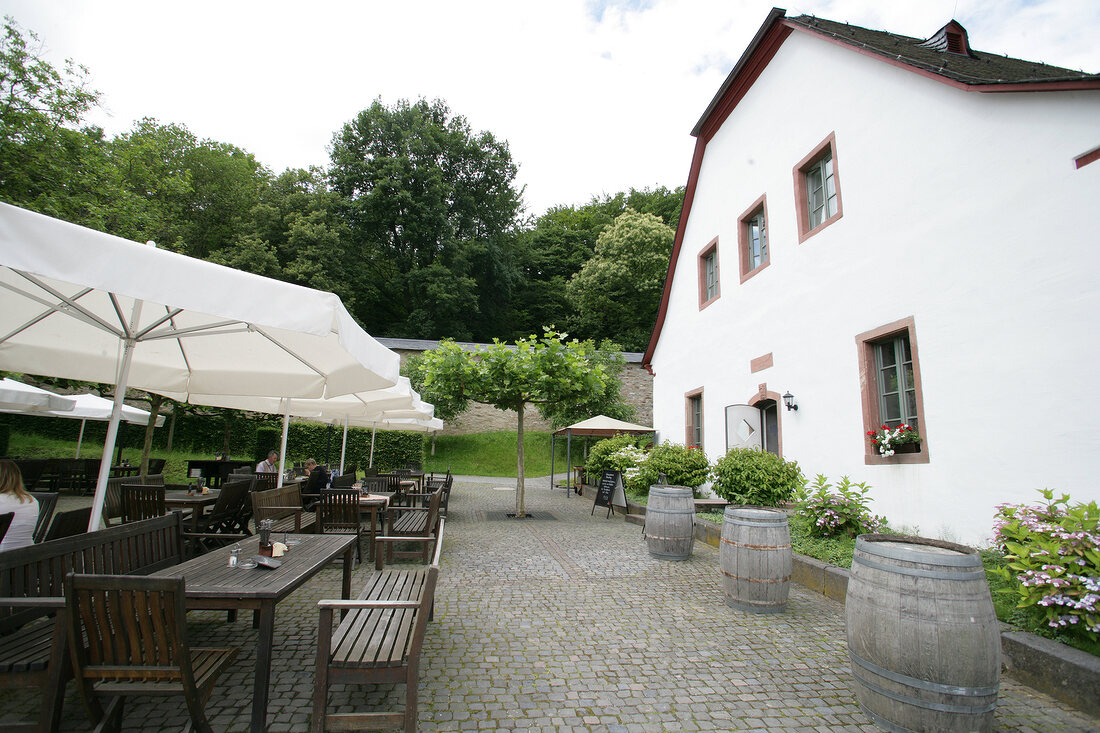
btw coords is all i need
(317, 478)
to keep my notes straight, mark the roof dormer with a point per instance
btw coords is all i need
(952, 38)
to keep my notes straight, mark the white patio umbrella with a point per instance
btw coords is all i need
(93, 407)
(18, 397)
(401, 396)
(82, 304)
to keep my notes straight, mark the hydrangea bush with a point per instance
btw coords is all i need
(840, 511)
(1053, 553)
(599, 455)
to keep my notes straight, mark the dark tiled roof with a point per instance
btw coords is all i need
(977, 68)
(631, 357)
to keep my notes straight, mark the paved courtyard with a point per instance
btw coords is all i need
(564, 622)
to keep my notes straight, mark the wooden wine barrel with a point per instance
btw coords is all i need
(670, 522)
(922, 635)
(755, 558)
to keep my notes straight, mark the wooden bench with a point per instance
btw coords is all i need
(284, 506)
(378, 641)
(33, 651)
(412, 522)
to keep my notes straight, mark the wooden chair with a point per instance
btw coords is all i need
(142, 502)
(370, 471)
(266, 481)
(227, 520)
(338, 513)
(156, 465)
(343, 481)
(128, 636)
(68, 524)
(415, 522)
(47, 502)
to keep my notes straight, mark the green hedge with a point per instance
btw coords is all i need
(267, 440)
(206, 434)
(4, 433)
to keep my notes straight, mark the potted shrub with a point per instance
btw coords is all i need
(755, 477)
(682, 466)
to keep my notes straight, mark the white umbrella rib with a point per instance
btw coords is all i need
(288, 351)
(67, 306)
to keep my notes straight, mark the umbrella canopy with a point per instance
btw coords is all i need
(86, 305)
(18, 397)
(600, 426)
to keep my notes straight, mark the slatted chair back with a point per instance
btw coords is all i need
(266, 481)
(142, 502)
(5, 522)
(229, 508)
(68, 524)
(370, 471)
(343, 481)
(156, 465)
(338, 512)
(47, 502)
(375, 484)
(129, 636)
(112, 500)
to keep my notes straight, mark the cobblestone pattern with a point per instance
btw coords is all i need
(569, 624)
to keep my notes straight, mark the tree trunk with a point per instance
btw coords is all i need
(520, 509)
(155, 401)
(172, 426)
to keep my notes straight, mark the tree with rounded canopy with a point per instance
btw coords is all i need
(545, 371)
(617, 292)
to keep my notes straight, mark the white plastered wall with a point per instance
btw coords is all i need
(962, 210)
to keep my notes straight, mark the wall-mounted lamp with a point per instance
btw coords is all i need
(788, 400)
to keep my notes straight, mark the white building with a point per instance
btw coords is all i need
(859, 199)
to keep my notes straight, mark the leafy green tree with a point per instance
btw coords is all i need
(617, 292)
(431, 209)
(542, 371)
(47, 163)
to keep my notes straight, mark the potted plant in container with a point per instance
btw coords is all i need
(888, 441)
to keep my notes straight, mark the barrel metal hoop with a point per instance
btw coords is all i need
(763, 523)
(973, 574)
(756, 580)
(937, 687)
(754, 547)
(898, 553)
(658, 537)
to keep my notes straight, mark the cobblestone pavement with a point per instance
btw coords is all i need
(564, 622)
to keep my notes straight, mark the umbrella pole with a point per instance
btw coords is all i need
(282, 446)
(344, 445)
(116, 416)
(80, 438)
(568, 462)
(372, 431)
(552, 439)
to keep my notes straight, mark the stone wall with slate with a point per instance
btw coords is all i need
(637, 391)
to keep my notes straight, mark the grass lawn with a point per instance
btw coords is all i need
(494, 454)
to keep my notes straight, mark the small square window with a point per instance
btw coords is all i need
(710, 287)
(752, 239)
(817, 189)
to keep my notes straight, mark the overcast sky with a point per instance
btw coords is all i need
(593, 96)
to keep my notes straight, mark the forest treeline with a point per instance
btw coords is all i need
(416, 221)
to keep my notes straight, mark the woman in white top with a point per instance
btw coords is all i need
(14, 498)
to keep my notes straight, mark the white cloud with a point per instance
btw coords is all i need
(592, 96)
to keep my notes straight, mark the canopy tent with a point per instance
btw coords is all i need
(86, 305)
(600, 426)
(18, 397)
(93, 407)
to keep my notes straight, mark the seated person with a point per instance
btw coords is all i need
(271, 465)
(317, 478)
(14, 498)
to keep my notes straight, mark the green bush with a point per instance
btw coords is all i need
(837, 512)
(600, 455)
(267, 439)
(1053, 555)
(745, 476)
(682, 466)
(5, 433)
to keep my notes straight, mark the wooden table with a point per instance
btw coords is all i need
(373, 505)
(197, 503)
(211, 584)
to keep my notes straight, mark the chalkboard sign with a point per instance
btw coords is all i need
(609, 492)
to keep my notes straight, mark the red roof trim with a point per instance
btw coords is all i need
(685, 210)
